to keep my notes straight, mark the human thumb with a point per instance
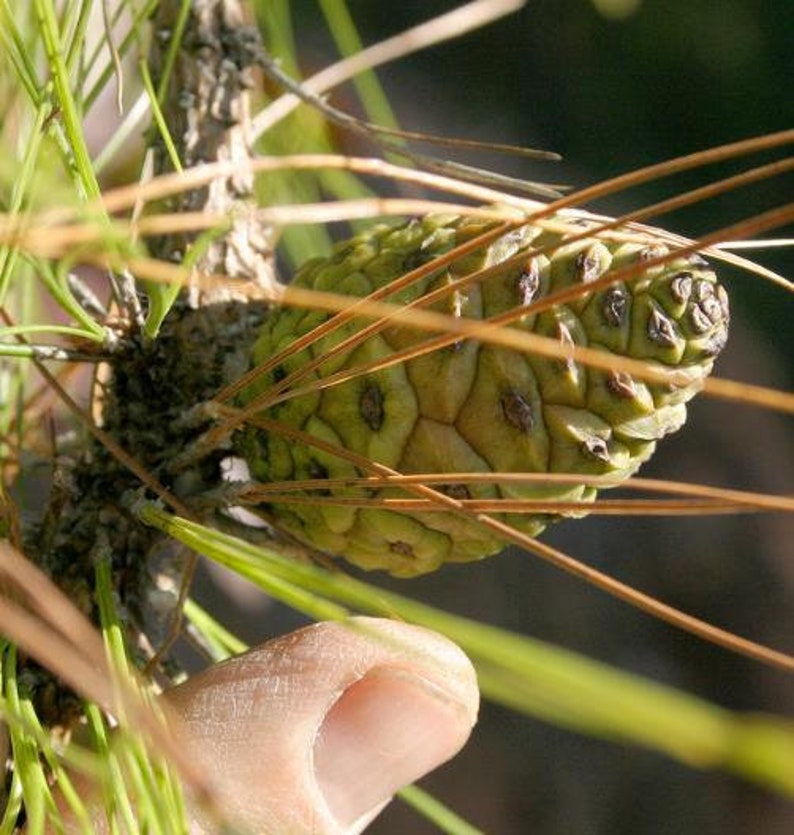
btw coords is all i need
(316, 731)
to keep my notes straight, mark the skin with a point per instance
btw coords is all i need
(315, 731)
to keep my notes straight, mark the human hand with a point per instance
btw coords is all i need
(315, 731)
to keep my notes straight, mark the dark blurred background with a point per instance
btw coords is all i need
(611, 95)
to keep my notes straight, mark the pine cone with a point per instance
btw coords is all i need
(474, 407)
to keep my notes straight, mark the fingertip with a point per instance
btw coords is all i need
(386, 730)
(316, 730)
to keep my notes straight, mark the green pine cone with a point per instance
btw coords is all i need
(473, 407)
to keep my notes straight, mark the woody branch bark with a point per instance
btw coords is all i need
(207, 102)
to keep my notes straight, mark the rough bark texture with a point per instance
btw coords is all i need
(203, 344)
(207, 103)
